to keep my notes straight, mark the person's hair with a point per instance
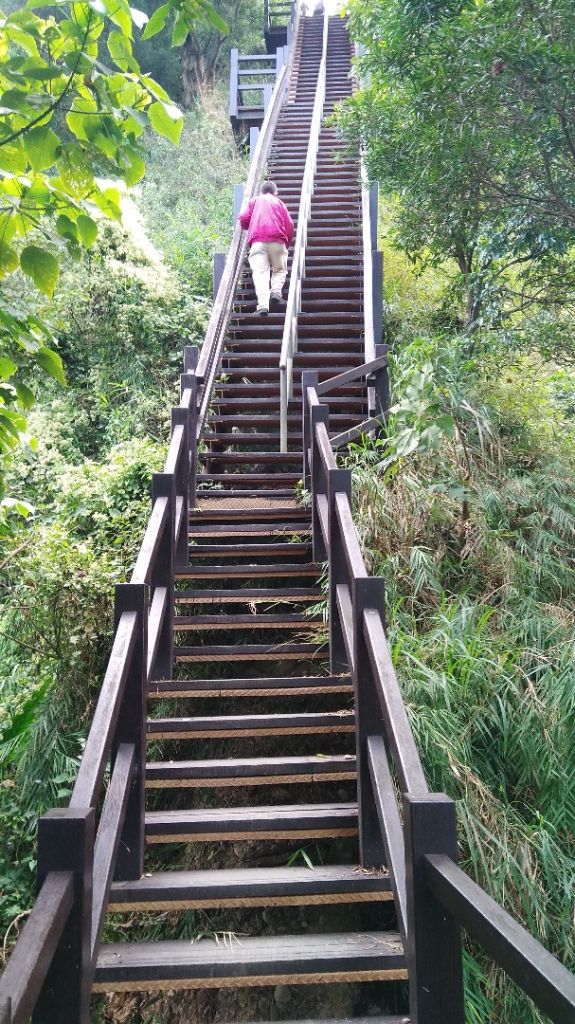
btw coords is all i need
(269, 186)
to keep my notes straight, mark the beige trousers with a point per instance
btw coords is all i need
(268, 259)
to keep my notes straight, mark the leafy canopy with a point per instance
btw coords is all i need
(468, 119)
(74, 104)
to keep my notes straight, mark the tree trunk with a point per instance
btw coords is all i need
(191, 72)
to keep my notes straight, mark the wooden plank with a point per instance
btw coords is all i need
(178, 890)
(250, 687)
(157, 614)
(230, 726)
(99, 742)
(108, 837)
(249, 771)
(247, 550)
(266, 571)
(251, 652)
(391, 827)
(32, 955)
(228, 823)
(249, 961)
(324, 447)
(251, 595)
(251, 621)
(151, 542)
(545, 980)
(397, 727)
(350, 541)
(175, 450)
(347, 436)
(345, 611)
(323, 516)
(356, 373)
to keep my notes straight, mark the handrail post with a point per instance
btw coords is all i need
(434, 939)
(367, 593)
(164, 486)
(66, 843)
(131, 728)
(183, 417)
(382, 386)
(319, 414)
(309, 379)
(233, 106)
(338, 480)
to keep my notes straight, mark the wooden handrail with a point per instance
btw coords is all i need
(419, 845)
(545, 980)
(30, 960)
(88, 782)
(293, 305)
(214, 338)
(108, 838)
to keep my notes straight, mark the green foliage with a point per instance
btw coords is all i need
(474, 533)
(467, 123)
(187, 196)
(55, 628)
(74, 106)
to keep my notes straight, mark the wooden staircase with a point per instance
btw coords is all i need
(250, 786)
(262, 717)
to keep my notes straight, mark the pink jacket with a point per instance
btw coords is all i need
(267, 220)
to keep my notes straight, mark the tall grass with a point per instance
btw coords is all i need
(480, 575)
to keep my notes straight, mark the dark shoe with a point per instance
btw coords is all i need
(276, 299)
(262, 311)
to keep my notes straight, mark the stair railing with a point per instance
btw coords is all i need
(293, 305)
(100, 835)
(82, 848)
(218, 324)
(402, 824)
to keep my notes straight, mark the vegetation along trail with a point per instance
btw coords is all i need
(118, 164)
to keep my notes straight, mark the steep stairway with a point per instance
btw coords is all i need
(251, 769)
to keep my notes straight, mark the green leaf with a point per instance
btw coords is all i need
(42, 147)
(7, 368)
(214, 19)
(156, 22)
(13, 158)
(66, 227)
(120, 51)
(8, 259)
(180, 30)
(87, 229)
(166, 120)
(25, 396)
(42, 267)
(51, 362)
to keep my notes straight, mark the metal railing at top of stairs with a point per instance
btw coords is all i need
(211, 350)
(293, 305)
(401, 823)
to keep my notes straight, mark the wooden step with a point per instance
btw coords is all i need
(251, 595)
(289, 686)
(251, 652)
(250, 961)
(197, 572)
(225, 621)
(248, 550)
(248, 530)
(236, 515)
(227, 824)
(252, 771)
(232, 726)
(250, 887)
